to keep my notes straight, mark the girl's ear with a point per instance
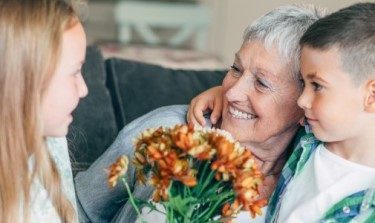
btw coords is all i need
(370, 96)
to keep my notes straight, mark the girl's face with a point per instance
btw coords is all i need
(66, 86)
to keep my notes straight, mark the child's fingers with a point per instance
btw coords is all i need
(205, 102)
(216, 110)
(192, 120)
(189, 113)
(195, 113)
(198, 112)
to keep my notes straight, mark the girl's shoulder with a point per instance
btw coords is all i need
(58, 148)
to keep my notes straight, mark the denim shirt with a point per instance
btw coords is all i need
(358, 207)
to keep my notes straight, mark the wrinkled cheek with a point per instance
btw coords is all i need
(228, 82)
(291, 112)
(295, 115)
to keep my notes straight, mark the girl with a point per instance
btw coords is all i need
(42, 48)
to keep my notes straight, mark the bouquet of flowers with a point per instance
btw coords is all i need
(199, 175)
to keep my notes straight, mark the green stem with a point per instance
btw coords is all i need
(188, 215)
(203, 172)
(213, 207)
(132, 199)
(170, 214)
(207, 181)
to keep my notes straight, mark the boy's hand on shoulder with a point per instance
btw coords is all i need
(209, 100)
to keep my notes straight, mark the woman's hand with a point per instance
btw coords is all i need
(209, 100)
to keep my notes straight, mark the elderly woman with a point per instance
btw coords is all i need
(260, 111)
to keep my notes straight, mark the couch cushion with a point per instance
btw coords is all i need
(94, 126)
(139, 87)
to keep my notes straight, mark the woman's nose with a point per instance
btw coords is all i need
(239, 90)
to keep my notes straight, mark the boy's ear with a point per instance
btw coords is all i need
(370, 96)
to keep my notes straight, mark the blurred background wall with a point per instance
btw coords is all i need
(231, 17)
(228, 20)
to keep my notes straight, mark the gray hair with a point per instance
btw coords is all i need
(282, 28)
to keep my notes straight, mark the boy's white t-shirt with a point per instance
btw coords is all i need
(325, 180)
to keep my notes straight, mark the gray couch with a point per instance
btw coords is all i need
(120, 91)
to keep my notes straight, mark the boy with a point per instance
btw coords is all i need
(330, 177)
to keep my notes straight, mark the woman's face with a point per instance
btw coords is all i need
(260, 96)
(66, 86)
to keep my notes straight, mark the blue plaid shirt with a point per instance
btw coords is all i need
(358, 207)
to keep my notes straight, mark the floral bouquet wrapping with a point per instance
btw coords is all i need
(199, 175)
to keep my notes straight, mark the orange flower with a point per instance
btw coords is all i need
(161, 184)
(140, 158)
(117, 170)
(189, 181)
(230, 210)
(183, 139)
(154, 153)
(255, 207)
(170, 154)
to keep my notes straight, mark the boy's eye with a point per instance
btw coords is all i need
(316, 86)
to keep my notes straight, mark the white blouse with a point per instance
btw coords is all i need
(41, 207)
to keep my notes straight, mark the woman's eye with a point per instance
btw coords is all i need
(316, 86)
(302, 83)
(236, 71)
(261, 84)
(235, 68)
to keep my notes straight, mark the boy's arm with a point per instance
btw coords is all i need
(209, 100)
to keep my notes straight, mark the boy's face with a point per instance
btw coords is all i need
(333, 104)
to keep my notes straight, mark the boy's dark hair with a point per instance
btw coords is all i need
(352, 31)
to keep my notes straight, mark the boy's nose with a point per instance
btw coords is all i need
(304, 101)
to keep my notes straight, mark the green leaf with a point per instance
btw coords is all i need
(149, 204)
(181, 205)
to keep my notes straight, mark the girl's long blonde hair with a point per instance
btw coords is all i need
(30, 46)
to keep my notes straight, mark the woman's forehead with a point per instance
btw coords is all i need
(255, 55)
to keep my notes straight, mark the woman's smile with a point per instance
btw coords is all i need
(237, 113)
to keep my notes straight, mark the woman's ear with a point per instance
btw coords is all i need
(302, 121)
(370, 96)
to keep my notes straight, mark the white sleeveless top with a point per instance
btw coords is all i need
(41, 208)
